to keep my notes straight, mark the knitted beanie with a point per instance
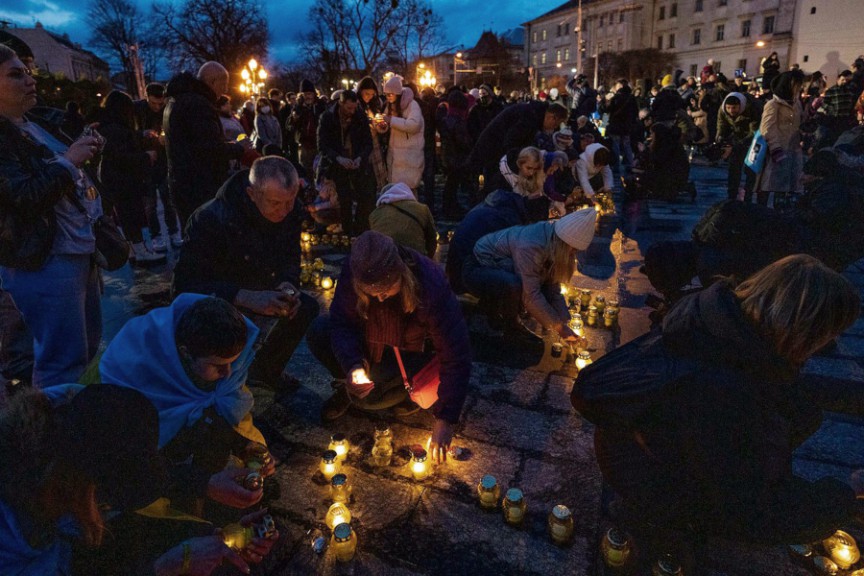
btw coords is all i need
(393, 85)
(375, 261)
(666, 81)
(307, 86)
(577, 228)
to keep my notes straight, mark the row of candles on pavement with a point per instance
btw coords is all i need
(579, 300)
(311, 274)
(338, 518)
(310, 239)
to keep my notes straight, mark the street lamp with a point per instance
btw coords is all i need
(760, 44)
(456, 60)
(254, 76)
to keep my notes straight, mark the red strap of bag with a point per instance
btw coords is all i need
(402, 370)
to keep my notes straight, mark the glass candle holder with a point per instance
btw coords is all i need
(344, 542)
(489, 492)
(825, 565)
(560, 524)
(576, 324)
(592, 316)
(316, 279)
(610, 318)
(318, 264)
(842, 548)
(382, 450)
(339, 444)
(667, 565)
(615, 548)
(340, 489)
(237, 537)
(514, 507)
(330, 464)
(338, 513)
(585, 296)
(326, 283)
(346, 241)
(314, 240)
(420, 463)
(600, 304)
(251, 481)
(557, 350)
(325, 239)
(305, 237)
(583, 359)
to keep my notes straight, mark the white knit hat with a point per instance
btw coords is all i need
(393, 85)
(577, 228)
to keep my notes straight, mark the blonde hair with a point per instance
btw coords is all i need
(799, 304)
(563, 264)
(409, 294)
(529, 186)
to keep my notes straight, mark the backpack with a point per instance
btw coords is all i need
(624, 388)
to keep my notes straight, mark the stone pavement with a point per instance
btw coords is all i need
(518, 425)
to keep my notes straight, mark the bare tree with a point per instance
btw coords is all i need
(635, 65)
(419, 37)
(225, 31)
(113, 25)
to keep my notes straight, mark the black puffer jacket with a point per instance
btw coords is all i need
(30, 186)
(229, 246)
(198, 154)
(515, 127)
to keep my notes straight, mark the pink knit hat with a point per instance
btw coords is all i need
(375, 261)
(393, 85)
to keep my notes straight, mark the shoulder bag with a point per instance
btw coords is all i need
(423, 386)
(112, 249)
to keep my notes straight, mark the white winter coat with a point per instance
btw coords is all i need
(405, 154)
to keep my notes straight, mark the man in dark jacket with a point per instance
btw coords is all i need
(345, 143)
(623, 117)
(429, 105)
(583, 99)
(198, 154)
(667, 103)
(483, 112)
(736, 124)
(303, 124)
(244, 246)
(514, 127)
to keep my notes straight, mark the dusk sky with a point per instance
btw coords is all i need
(464, 20)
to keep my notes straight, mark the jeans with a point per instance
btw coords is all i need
(280, 343)
(60, 305)
(736, 167)
(155, 193)
(499, 291)
(389, 389)
(622, 144)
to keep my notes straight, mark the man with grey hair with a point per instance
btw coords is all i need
(198, 154)
(244, 246)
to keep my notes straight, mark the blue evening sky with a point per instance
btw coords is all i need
(464, 20)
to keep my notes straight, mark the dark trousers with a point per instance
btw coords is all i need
(802, 511)
(389, 389)
(187, 199)
(355, 186)
(736, 168)
(457, 180)
(429, 166)
(16, 342)
(278, 346)
(159, 191)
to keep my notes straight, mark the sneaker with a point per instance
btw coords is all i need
(158, 244)
(176, 240)
(144, 255)
(336, 406)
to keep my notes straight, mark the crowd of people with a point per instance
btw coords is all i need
(521, 176)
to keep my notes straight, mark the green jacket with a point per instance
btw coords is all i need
(409, 223)
(737, 131)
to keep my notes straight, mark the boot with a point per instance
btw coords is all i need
(145, 256)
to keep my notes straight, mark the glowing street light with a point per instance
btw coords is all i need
(760, 44)
(254, 76)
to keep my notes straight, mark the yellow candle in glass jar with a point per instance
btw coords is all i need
(344, 542)
(337, 514)
(330, 464)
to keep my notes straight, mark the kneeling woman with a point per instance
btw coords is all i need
(191, 360)
(525, 265)
(390, 296)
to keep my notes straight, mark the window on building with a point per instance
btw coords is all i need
(812, 10)
(620, 44)
(534, 36)
(609, 46)
(662, 15)
(742, 65)
(566, 54)
(768, 25)
(745, 28)
(717, 65)
(720, 32)
(558, 55)
(698, 7)
(544, 34)
(806, 58)
(671, 43)
(602, 20)
(673, 10)
(621, 17)
(697, 36)
(659, 42)
(534, 60)
(566, 29)
(558, 31)
(543, 57)
(722, 2)
(693, 69)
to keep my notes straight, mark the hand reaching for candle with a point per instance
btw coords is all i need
(258, 548)
(442, 435)
(223, 488)
(198, 557)
(360, 385)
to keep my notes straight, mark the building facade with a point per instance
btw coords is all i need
(57, 54)
(552, 47)
(736, 34)
(827, 36)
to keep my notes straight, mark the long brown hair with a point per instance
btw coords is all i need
(409, 294)
(799, 304)
(562, 262)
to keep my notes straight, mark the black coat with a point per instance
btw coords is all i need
(198, 154)
(30, 186)
(623, 113)
(229, 246)
(330, 139)
(515, 127)
(666, 105)
(481, 115)
(124, 167)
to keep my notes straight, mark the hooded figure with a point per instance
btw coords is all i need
(408, 222)
(586, 169)
(780, 125)
(405, 158)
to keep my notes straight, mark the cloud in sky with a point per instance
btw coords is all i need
(464, 20)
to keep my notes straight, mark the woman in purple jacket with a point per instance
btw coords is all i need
(390, 296)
